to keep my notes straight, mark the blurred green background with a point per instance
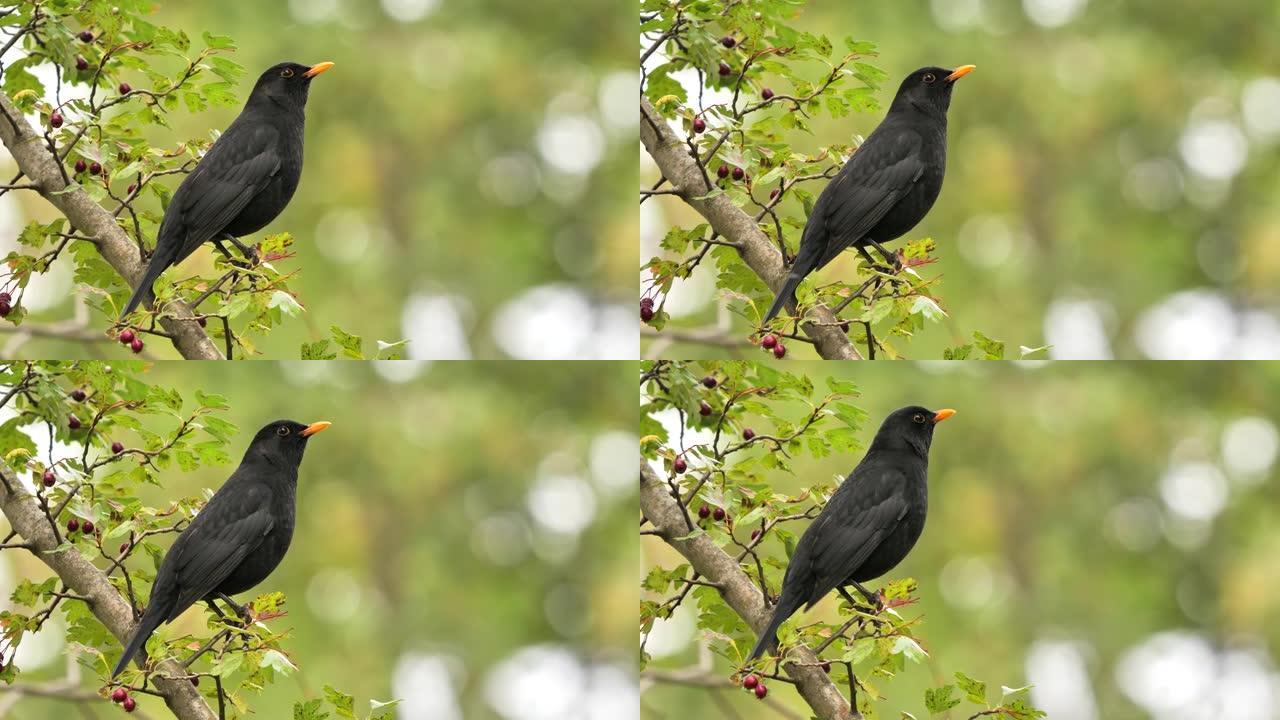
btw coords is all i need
(458, 540)
(1109, 181)
(1105, 531)
(465, 185)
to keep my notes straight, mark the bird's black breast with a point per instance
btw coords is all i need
(274, 197)
(260, 563)
(919, 199)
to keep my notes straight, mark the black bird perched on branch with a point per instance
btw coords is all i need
(244, 181)
(869, 525)
(239, 537)
(887, 186)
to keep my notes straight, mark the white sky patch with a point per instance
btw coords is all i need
(1249, 447)
(571, 143)
(1215, 149)
(1059, 680)
(407, 11)
(1052, 13)
(1260, 106)
(427, 684)
(1194, 490)
(1075, 329)
(434, 326)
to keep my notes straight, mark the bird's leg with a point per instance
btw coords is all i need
(895, 262)
(241, 610)
(876, 600)
(250, 254)
(216, 610)
(847, 596)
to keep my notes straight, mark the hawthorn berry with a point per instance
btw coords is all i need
(766, 93)
(77, 395)
(748, 433)
(73, 525)
(725, 70)
(749, 682)
(773, 194)
(95, 168)
(768, 341)
(73, 422)
(739, 173)
(86, 36)
(728, 41)
(709, 382)
(81, 166)
(646, 312)
(704, 409)
(699, 125)
(55, 119)
(49, 478)
(129, 703)
(704, 512)
(126, 336)
(118, 695)
(779, 351)
(87, 527)
(755, 534)
(136, 345)
(81, 63)
(680, 465)
(117, 447)
(5, 308)
(722, 172)
(761, 691)
(125, 89)
(718, 514)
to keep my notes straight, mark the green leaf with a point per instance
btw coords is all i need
(318, 350)
(349, 343)
(939, 700)
(277, 661)
(974, 690)
(286, 302)
(218, 42)
(342, 703)
(310, 710)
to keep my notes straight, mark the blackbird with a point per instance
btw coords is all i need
(870, 523)
(887, 186)
(244, 181)
(237, 539)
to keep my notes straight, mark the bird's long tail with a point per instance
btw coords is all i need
(160, 261)
(800, 269)
(786, 607)
(151, 619)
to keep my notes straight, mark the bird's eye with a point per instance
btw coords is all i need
(287, 72)
(918, 418)
(928, 77)
(282, 431)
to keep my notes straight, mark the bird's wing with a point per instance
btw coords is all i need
(236, 168)
(856, 526)
(230, 527)
(874, 180)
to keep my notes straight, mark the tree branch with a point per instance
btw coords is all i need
(86, 580)
(732, 222)
(739, 593)
(44, 170)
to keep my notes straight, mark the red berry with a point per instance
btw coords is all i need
(646, 302)
(73, 422)
(709, 382)
(748, 433)
(126, 336)
(722, 171)
(718, 514)
(81, 63)
(81, 166)
(6, 297)
(49, 478)
(755, 534)
(118, 695)
(646, 313)
(117, 447)
(125, 89)
(704, 512)
(704, 409)
(95, 168)
(77, 395)
(728, 41)
(750, 681)
(738, 173)
(195, 680)
(766, 93)
(129, 703)
(779, 350)
(680, 465)
(124, 547)
(203, 322)
(73, 525)
(773, 194)
(768, 341)
(131, 188)
(55, 119)
(5, 308)
(699, 125)
(826, 667)
(136, 345)
(725, 70)
(88, 527)
(86, 35)
(761, 691)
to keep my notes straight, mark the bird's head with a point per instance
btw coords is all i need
(287, 83)
(909, 428)
(284, 440)
(929, 89)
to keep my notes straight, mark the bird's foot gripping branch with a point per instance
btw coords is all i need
(733, 164)
(82, 440)
(714, 435)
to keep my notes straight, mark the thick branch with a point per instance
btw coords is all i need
(738, 592)
(730, 221)
(89, 218)
(86, 580)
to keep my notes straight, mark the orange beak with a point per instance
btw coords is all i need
(943, 415)
(321, 67)
(960, 72)
(314, 428)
